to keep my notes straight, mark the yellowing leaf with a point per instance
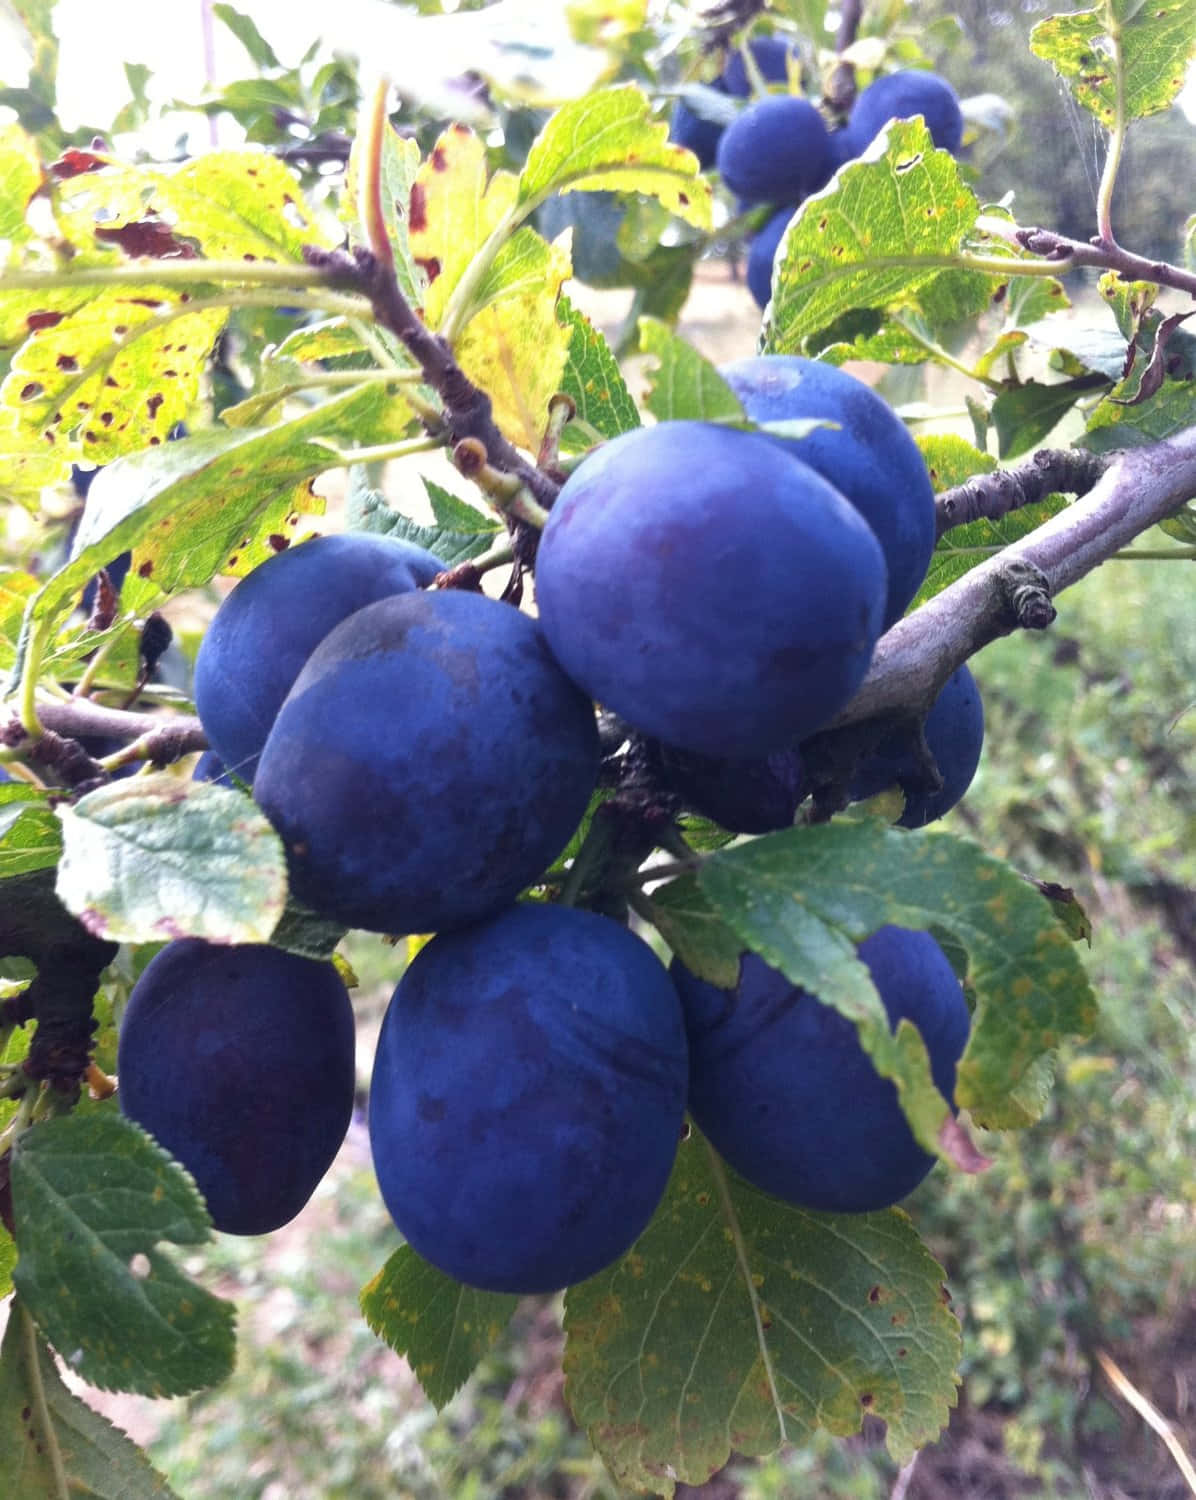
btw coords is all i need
(20, 177)
(454, 207)
(608, 140)
(514, 348)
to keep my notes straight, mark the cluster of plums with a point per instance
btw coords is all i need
(778, 150)
(425, 755)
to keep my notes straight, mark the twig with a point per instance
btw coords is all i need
(1140, 487)
(1150, 1414)
(992, 496)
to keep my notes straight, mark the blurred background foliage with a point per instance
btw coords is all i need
(1079, 1239)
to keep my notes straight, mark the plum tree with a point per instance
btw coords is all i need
(527, 1097)
(743, 796)
(900, 96)
(868, 456)
(240, 1061)
(276, 616)
(954, 733)
(647, 556)
(429, 762)
(781, 1085)
(761, 254)
(777, 151)
(687, 128)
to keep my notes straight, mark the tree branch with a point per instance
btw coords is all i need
(1106, 256)
(991, 497)
(1139, 488)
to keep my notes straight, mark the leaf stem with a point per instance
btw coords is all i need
(41, 1407)
(177, 273)
(369, 177)
(943, 357)
(382, 451)
(1104, 197)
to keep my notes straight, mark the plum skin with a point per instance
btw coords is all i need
(527, 1097)
(771, 55)
(900, 96)
(777, 151)
(870, 458)
(954, 733)
(650, 551)
(762, 253)
(431, 761)
(782, 1088)
(240, 1062)
(274, 619)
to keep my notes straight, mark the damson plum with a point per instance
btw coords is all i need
(771, 56)
(239, 1061)
(430, 761)
(777, 151)
(781, 1086)
(954, 736)
(868, 456)
(743, 796)
(275, 618)
(901, 96)
(527, 1097)
(761, 254)
(709, 588)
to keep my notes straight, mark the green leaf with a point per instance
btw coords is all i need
(155, 857)
(29, 834)
(453, 513)
(738, 1322)
(47, 1433)
(246, 32)
(881, 235)
(595, 383)
(1141, 51)
(696, 933)
(684, 383)
(368, 511)
(92, 1197)
(1097, 346)
(1025, 414)
(1114, 425)
(398, 169)
(803, 899)
(609, 140)
(20, 178)
(439, 1326)
(188, 509)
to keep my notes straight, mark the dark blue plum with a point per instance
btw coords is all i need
(869, 457)
(275, 618)
(761, 255)
(709, 588)
(743, 796)
(527, 1097)
(901, 96)
(777, 151)
(781, 1086)
(702, 136)
(4, 776)
(240, 1062)
(431, 761)
(689, 129)
(771, 54)
(954, 735)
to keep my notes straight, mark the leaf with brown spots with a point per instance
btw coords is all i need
(804, 898)
(1141, 51)
(739, 1322)
(456, 204)
(110, 376)
(399, 166)
(880, 235)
